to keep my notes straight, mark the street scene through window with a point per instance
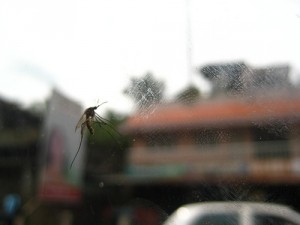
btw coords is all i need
(170, 112)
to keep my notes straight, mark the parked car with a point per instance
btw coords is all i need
(234, 213)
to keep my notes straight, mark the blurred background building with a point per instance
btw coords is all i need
(239, 144)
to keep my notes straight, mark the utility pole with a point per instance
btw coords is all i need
(189, 45)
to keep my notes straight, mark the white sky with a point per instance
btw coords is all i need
(89, 49)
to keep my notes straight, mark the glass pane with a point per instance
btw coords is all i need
(218, 219)
(265, 219)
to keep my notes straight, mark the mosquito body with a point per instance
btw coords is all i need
(88, 118)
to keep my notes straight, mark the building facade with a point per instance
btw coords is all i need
(254, 140)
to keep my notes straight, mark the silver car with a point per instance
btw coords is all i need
(234, 213)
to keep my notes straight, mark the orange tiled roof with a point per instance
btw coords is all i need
(216, 113)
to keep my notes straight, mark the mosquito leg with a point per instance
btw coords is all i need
(81, 132)
(106, 122)
(82, 128)
(109, 133)
(76, 152)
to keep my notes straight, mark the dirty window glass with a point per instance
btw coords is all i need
(123, 111)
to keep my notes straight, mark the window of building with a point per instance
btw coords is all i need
(161, 140)
(208, 138)
(271, 141)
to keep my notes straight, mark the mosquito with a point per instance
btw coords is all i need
(88, 118)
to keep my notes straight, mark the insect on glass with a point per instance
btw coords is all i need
(88, 118)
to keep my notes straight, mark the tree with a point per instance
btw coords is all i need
(226, 78)
(145, 91)
(107, 147)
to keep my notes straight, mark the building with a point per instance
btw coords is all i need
(256, 141)
(19, 133)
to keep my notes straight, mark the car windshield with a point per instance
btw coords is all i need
(120, 112)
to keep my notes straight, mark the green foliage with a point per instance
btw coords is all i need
(107, 134)
(107, 147)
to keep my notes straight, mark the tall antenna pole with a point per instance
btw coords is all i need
(188, 42)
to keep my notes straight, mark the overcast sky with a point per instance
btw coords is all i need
(89, 49)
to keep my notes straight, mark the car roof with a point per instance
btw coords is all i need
(238, 205)
(186, 212)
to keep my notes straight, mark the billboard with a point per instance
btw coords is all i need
(59, 143)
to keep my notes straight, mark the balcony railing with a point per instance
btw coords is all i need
(212, 153)
(253, 159)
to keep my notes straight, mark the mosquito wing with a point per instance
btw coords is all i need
(81, 121)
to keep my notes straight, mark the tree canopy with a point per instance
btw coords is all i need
(145, 91)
